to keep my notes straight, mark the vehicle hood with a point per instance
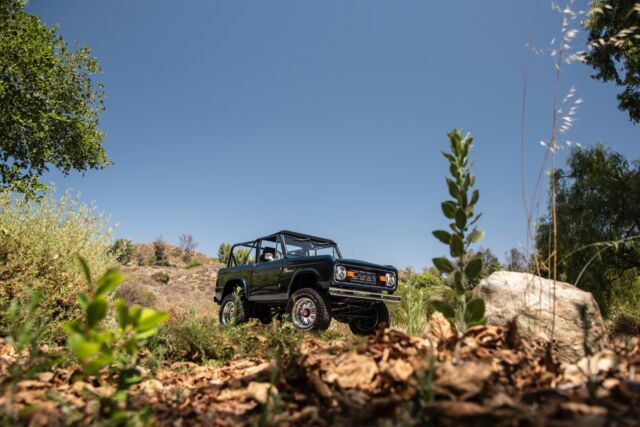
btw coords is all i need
(364, 264)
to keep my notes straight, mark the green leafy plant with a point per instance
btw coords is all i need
(114, 350)
(123, 250)
(160, 276)
(466, 267)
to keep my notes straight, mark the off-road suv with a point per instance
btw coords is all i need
(306, 278)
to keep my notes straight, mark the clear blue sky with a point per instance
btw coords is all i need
(232, 119)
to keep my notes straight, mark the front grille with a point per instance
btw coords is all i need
(366, 277)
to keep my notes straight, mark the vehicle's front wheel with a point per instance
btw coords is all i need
(308, 310)
(234, 309)
(366, 325)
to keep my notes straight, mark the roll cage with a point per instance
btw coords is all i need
(278, 238)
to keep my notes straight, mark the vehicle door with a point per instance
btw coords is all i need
(243, 260)
(267, 272)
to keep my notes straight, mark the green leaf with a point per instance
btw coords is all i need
(474, 197)
(449, 209)
(122, 313)
(444, 308)
(475, 236)
(454, 191)
(473, 268)
(443, 264)
(458, 283)
(474, 311)
(82, 348)
(109, 280)
(461, 219)
(477, 322)
(453, 169)
(150, 319)
(85, 269)
(443, 236)
(83, 300)
(94, 365)
(129, 377)
(456, 247)
(96, 311)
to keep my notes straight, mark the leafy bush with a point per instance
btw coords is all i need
(194, 263)
(624, 303)
(115, 350)
(161, 277)
(123, 250)
(160, 252)
(417, 291)
(133, 293)
(39, 242)
(467, 267)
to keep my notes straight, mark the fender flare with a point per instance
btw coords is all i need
(233, 283)
(300, 272)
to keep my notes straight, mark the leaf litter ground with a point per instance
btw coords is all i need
(488, 376)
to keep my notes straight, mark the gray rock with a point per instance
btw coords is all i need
(530, 298)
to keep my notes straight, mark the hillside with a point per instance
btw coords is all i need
(189, 288)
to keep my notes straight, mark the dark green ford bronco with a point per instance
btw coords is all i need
(306, 278)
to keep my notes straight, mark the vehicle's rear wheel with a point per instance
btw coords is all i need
(234, 309)
(309, 310)
(378, 313)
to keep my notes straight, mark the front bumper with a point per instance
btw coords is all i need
(363, 295)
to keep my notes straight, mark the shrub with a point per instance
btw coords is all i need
(112, 350)
(417, 291)
(123, 250)
(160, 252)
(188, 245)
(161, 277)
(194, 263)
(624, 302)
(39, 242)
(133, 294)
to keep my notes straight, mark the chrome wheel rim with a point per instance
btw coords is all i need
(228, 312)
(304, 313)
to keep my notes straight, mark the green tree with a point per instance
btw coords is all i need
(615, 53)
(516, 261)
(123, 249)
(160, 252)
(224, 250)
(49, 107)
(598, 214)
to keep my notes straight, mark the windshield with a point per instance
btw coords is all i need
(303, 247)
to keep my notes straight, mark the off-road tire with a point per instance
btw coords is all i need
(241, 307)
(322, 304)
(380, 311)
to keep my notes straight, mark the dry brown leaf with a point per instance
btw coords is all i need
(354, 370)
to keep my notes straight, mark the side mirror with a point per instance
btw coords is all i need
(268, 256)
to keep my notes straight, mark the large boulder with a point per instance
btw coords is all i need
(508, 295)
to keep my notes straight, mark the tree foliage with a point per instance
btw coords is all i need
(49, 107)
(598, 206)
(615, 53)
(224, 251)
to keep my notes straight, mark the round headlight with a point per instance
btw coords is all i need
(391, 280)
(341, 272)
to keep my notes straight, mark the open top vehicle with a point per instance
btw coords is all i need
(306, 278)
